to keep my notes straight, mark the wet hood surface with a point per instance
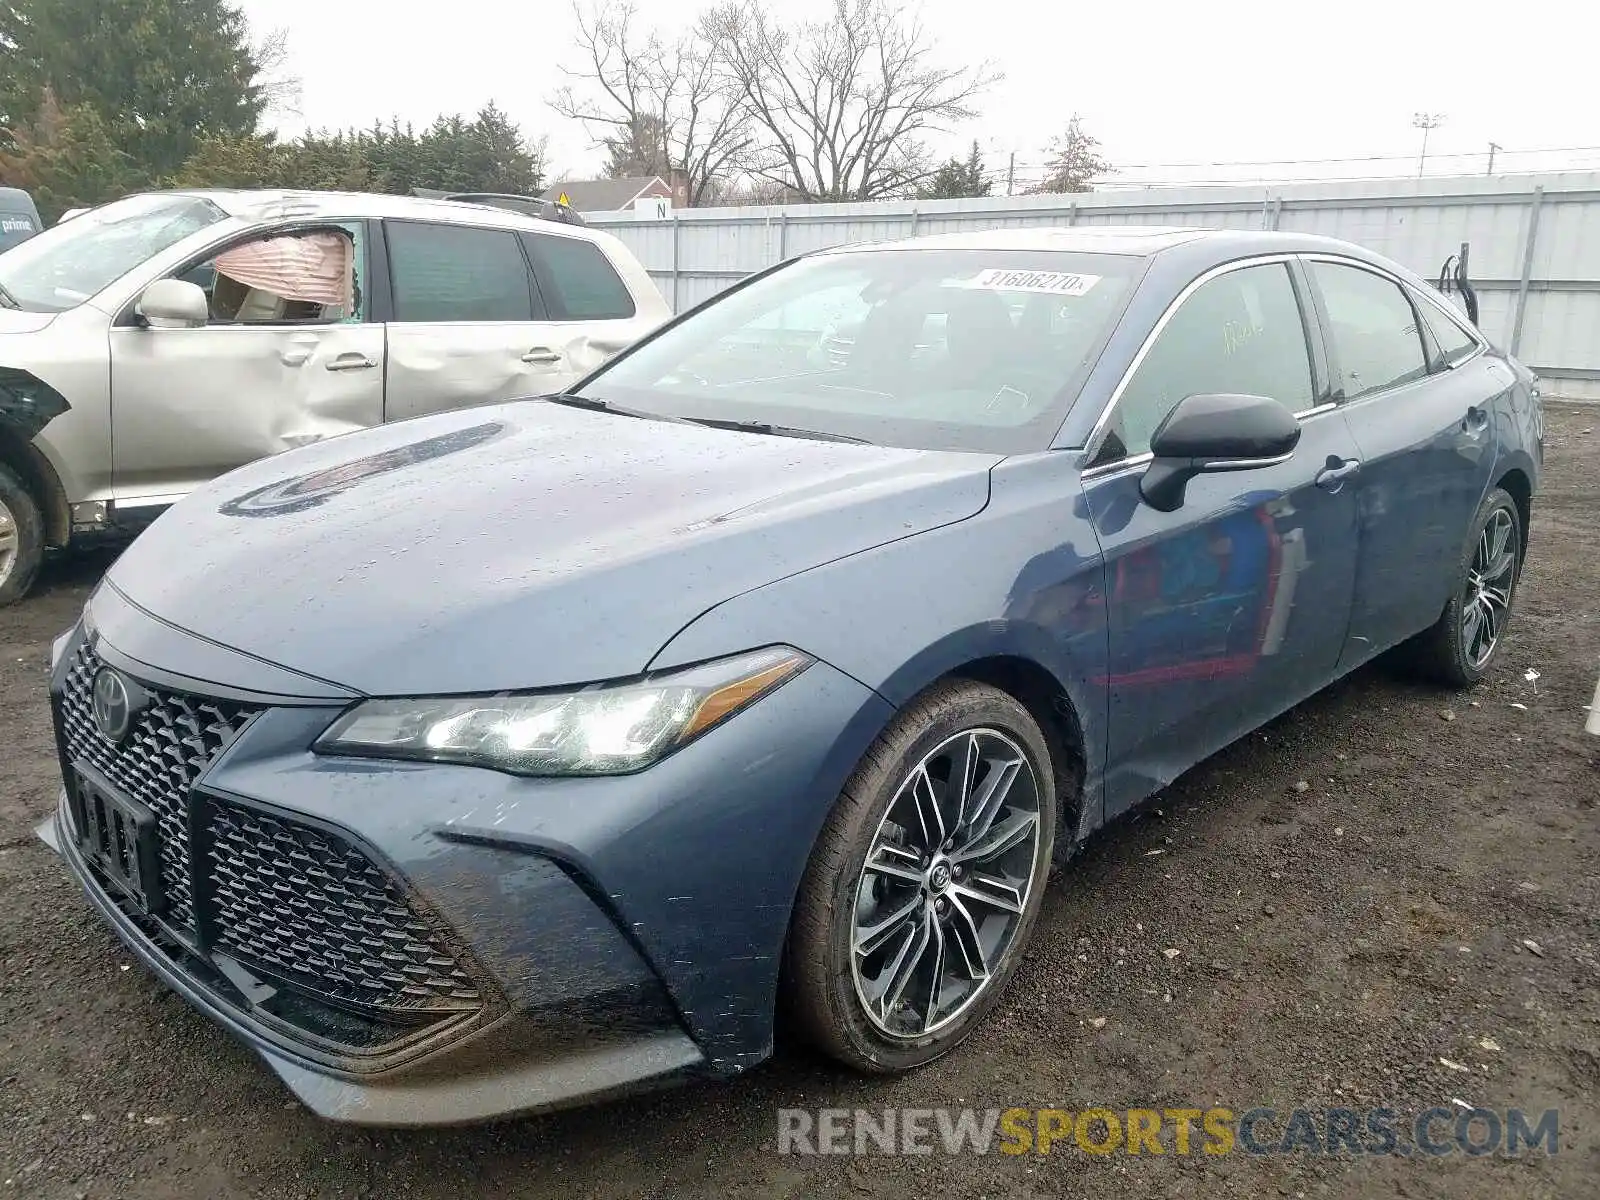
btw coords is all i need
(518, 546)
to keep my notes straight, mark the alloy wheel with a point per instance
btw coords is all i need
(1486, 601)
(10, 542)
(945, 884)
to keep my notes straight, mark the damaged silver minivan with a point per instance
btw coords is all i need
(151, 344)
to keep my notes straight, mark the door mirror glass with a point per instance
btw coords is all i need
(173, 304)
(1215, 432)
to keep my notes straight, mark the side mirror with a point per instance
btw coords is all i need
(173, 304)
(1215, 433)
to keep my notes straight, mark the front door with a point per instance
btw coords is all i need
(1233, 608)
(268, 372)
(1427, 452)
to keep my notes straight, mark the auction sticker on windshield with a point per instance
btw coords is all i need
(1054, 283)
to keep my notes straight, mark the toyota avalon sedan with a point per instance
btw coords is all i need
(507, 758)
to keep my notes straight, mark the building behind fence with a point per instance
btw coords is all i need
(1535, 242)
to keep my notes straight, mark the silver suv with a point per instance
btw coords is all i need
(152, 344)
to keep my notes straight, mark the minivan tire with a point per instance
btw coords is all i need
(21, 537)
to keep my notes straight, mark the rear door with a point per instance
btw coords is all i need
(592, 314)
(1232, 608)
(1420, 415)
(468, 324)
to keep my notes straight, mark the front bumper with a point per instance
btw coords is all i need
(528, 1063)
(624, 931)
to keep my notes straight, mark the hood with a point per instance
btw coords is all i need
(16, 320)
(517, 546)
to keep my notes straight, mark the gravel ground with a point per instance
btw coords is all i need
(1348, 892)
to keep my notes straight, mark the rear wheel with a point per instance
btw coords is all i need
(21, 538)
(925, 884)
(1459, 650)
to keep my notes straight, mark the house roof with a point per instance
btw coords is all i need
(606, 195)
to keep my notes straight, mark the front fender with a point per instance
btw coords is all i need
(27, 403)
(1022, 579)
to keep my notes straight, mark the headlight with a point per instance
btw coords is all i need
(605, 729)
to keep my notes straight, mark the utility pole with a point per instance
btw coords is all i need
(1425, 122)
(1493, 146)
(1011, 173)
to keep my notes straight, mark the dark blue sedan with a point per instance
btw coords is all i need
(508, 758)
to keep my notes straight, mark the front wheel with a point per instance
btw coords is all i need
(926, 881)
(1460, 648)
(21, 538)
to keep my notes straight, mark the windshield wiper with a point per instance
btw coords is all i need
(595, 404)
(7, 299)
(776, 430)
(591, 404)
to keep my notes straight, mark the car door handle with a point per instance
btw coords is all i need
(1331, 478)
(1476, 420)
(541, 357)
(352, 361)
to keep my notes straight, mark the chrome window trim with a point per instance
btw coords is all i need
(1251, 464)
(1092, 442)
(1139, 460)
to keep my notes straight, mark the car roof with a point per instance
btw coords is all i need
(1139, 240)
(1099, 239)
(268, 205)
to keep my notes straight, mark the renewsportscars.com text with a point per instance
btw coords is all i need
(1433, 1132)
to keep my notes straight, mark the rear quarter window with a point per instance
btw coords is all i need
(578, 281)
(1454, 343)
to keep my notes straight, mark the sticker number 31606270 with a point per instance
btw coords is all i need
(1055, 283)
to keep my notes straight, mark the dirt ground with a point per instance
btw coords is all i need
(1348, 892)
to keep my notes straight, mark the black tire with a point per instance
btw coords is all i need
(820, 986)
(23, 550)
(1442, 653)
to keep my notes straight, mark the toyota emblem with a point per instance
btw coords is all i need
(113, 705)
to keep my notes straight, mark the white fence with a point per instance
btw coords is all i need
(1535, 242)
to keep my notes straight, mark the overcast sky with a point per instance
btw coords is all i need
(1158, 83)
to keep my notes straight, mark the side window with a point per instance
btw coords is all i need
(1374, 329)
(578, 281)
(1454, 342)
(307, 276)
(1241, 332)
(457, 273)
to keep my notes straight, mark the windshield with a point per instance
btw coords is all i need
(928, 349)
(70, 262)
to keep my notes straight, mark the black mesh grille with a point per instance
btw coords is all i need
(300, 904)
(308, 907)
(173, 740)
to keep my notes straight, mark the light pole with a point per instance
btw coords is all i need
(1425, 122)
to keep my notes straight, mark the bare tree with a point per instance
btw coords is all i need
(841, 104)
(280, 88)
(1075, 161)
(657, 103)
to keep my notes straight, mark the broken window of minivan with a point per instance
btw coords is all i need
(278, 280)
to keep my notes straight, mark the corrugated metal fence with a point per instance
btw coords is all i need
(1535, 240)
